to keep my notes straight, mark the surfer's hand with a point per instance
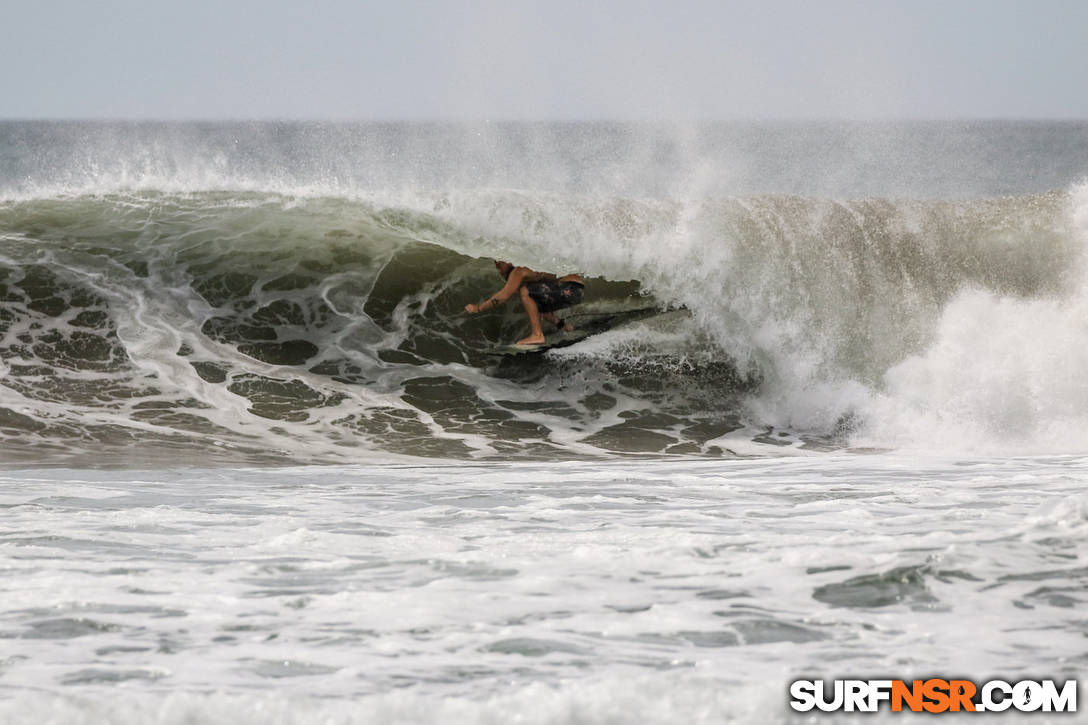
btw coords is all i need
(471, 308)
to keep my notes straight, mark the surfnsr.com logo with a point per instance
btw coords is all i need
(933, 695)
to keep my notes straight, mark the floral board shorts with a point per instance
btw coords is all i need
(552, 295)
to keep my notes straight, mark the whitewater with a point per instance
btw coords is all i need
(258, 465)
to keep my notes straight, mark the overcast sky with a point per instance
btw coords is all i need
(555, 59)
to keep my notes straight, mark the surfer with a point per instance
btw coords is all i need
(541, 295)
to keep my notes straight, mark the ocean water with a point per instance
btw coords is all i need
(258, 466)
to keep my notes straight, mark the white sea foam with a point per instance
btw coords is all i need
(568, 592)
(1002, 375)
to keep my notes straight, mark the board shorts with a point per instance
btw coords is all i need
(551, 295)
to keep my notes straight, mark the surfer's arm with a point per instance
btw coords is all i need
(489, 304)
(518, 277)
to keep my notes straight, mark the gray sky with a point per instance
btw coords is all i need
(559, 59)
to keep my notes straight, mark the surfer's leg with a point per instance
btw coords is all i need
(536, 333)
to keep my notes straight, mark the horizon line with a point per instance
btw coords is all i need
(548, 120)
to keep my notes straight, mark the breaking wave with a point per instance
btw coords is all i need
(306, 327)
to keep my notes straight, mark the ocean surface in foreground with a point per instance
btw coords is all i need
(687, 591)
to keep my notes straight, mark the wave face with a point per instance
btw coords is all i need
(164, 295)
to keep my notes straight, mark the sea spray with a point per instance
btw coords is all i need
(1003, 373)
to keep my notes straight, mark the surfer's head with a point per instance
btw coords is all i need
(505, 268)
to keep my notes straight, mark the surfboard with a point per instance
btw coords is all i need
(559, 339)
(589, 324)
